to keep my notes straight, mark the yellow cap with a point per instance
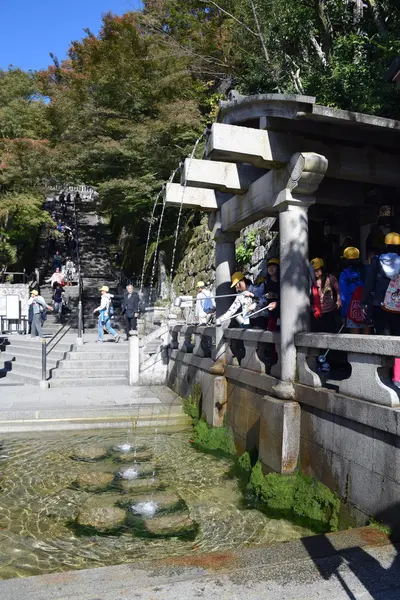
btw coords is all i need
(351, 253)
(274, 261)
(392, 239)
(200, 284)
(35, 292)
(104, 288)
(236, 277)
(317, 263)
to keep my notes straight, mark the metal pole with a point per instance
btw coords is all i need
(79, 340)
(44, 384)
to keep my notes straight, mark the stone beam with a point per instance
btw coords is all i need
(224, 176)
(196, 198)
(270, 150)
(296, 182)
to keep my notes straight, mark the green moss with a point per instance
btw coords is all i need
(374, 524)
(191, 407)
(215, 439)
(296, 496)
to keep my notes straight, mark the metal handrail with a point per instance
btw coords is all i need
(5, 273)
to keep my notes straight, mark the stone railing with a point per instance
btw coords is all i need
(255, 350)
(370, 358)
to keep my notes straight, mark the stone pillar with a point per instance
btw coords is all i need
(295, 287)
(133, 360)
(225, 263)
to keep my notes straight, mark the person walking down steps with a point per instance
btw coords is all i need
(105, 311)
(36, 310)
(130, 310)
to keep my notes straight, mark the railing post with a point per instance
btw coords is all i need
(133, 360)
(44, 384)
(79, 340)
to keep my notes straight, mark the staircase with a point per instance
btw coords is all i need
(93, 365)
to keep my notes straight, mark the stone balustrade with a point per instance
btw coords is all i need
(256, 350)
(370, 358)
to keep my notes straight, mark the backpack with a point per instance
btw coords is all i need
(208, 306)
(391, 302)
(110, 308)
(354, 311)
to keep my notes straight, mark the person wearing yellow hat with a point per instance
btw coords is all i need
(205, 305)
(351, 285)
(105, 310)
(36, 311)
(329, 295)
(382, 273)
(271, 297)
(245, 301)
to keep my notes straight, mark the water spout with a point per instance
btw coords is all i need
(153, 270)
(145, 509)
(181, 204)
(152, 220)
(124, 447)
(130, 473)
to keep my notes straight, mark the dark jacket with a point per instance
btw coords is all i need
(130, 305)
(383, 268)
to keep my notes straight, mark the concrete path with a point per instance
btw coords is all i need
(28, 408)
(357, 565)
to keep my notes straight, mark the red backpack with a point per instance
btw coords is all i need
(354, 311)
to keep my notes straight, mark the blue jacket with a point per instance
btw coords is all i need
(350, 278)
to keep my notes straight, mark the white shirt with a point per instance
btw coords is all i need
(200, 298)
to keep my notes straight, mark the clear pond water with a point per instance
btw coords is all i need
(39, 503)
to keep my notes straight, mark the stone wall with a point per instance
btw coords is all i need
(350, 445)
(198, 262)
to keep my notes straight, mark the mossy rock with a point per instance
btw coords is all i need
(92, 481)
(101, 518)
(170, 525)
(130, 457)
(90, 452)
(140, 485)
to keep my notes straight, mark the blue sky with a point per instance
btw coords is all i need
(30, 29)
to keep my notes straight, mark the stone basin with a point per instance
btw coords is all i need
(170, 525)
(141, 484)
(90, 452)
(92, 481)
(131, 457)
(164, 500)
(104, 519)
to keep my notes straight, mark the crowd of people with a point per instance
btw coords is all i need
(360, 299)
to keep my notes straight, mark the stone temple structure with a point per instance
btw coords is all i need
(328, 176)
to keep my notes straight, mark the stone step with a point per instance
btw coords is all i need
(34, 346)
(106, 348)
(22, 377)
(25, 355)
(27, 360)
(78, 419)
(88, 381)
(82, 371)
(104, 363)
(89, 356)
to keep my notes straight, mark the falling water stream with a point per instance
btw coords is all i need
(181, 204)
(148, 236)
(153, 270)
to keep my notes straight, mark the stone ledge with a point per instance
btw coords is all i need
(377, 416)
(383, 345)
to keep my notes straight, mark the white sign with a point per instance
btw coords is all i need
(13, 307)
(3, 306)
(186, 301)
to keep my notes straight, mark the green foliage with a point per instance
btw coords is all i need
(245, 250)
(215, 439)
(191, 407)
(298, 495)
(244, 462)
